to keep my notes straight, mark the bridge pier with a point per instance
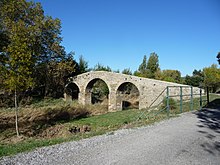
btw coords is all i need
(112, 101)
(81, 98)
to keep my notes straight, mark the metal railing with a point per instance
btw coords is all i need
(182, 99)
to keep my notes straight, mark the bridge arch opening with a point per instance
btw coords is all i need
(127, 96)
(71, 92)
(97, 92)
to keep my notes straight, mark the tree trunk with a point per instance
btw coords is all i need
(16, 114)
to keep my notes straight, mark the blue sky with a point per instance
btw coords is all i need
(184, 33)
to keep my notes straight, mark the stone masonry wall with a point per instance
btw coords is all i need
(149, 89)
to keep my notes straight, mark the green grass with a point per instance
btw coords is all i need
(100, 124)
(11, 149)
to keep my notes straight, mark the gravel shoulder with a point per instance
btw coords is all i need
(192, 138)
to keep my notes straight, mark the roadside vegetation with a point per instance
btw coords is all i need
(54, 121)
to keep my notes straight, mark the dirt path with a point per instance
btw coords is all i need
(192, 138)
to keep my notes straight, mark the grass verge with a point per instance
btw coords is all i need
(99, 124)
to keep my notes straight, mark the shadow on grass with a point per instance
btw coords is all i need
(209, 117)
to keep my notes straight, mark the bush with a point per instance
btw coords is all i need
(172, 103)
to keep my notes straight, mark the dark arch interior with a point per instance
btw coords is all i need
(72, 90)
(97, 92)
(127, 96)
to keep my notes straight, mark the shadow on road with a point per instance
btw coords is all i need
(209, 117)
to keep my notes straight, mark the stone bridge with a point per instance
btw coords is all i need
(147, 90)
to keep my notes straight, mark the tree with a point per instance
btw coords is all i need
(152, 65)
(169, 75)
(83, 65)
(30, 40)
(196, 79)
(100, 67)
(59, 72)
(212, 77)
(218, 57)
(148, 68)
(142, 69)
(127, 71)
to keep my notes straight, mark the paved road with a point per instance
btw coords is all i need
(193, 138)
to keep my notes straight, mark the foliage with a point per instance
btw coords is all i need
(172, 103)
(100, 124)
(148, 68)
(51, 77)
(152, 65)
(143, 66)
(99, 91)
(212, 77)
(83, 65)
(100, 67)
(127, 71)
(169, 75)
(30, 50)
(31, 37)
(142, 69)
(196, 79)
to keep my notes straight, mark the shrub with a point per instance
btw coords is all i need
(172, 103)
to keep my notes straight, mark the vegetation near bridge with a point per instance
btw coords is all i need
(34, 68)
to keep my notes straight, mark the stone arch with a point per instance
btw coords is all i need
(72, 91)
(127, 96)
(96, 88)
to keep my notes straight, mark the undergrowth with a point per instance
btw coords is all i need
(48, 122)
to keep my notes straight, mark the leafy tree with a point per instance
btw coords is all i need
(127, 71)
(152, 65)
(99, 92)
(169, 75)
(196, 79)
(198, 73)
(148, 68)
(143, 66)
(83, 65)
(142, 69)
(29, 40)
(212, 77)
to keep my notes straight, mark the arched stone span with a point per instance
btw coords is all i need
(127, 96)
(89, 94)
(72, 91)
(149, 89)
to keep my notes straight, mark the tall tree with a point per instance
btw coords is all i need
(83, 65)
(142, 69)
(143, 66)
(196, 79)
(30, 39)
(152, 65)
(212, 77)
